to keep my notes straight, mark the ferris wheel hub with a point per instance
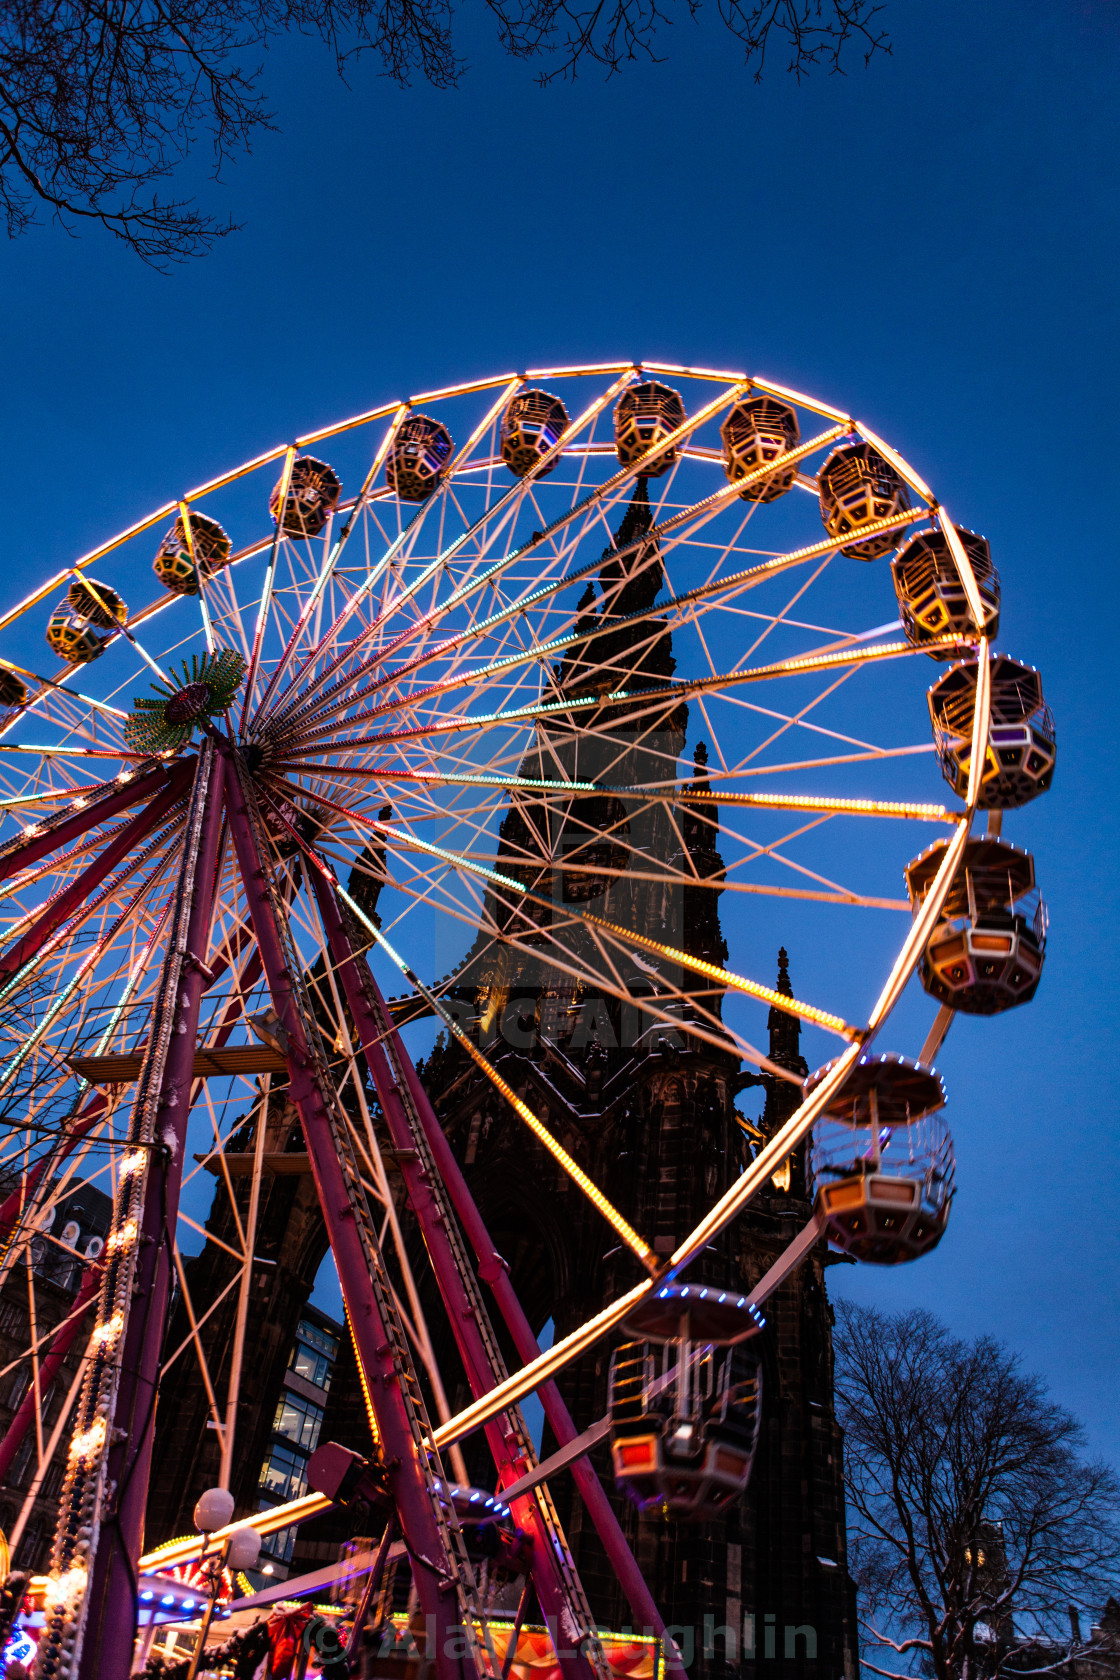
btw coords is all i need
(189, 704)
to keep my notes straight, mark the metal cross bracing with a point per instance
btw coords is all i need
(547, 720)
(557, 1584)
(416, 1477)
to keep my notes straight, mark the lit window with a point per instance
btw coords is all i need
(299, 1420)
(308, 1362)
(284, 1474)
(321, 1340)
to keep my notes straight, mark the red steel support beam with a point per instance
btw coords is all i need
(405, 1474)
(56, 909)
(22, 851)
(493, 1270)
(107, 1648)
(460, 1311)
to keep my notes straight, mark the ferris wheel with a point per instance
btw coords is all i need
(420, 724)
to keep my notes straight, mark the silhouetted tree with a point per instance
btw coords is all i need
(100, 100)
(969, 1498)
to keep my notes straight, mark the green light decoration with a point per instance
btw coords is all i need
(167, 723)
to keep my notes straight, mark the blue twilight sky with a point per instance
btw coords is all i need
(930, 243)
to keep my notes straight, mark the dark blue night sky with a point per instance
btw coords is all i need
(930, 243)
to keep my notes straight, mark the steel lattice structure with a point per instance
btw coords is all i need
(283, 789)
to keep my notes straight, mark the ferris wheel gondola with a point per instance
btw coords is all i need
(518, 663)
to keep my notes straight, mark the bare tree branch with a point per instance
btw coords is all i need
(102, 100)
(969, 1496)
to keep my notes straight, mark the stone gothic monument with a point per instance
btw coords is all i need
(650, 1113)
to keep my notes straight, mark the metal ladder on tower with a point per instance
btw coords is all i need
(513, 1423)
(455, 1566)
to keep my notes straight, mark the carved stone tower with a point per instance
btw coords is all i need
(647, 1110)
(649, 1113)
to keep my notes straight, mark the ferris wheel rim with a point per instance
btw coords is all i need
(734, 384)
(672, 790)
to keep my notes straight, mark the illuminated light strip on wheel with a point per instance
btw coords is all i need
(61, 688)
(725, 976)
(964, 567)
(311, 743)
(575, 1172)
(703, 510)
(79, 798)
(736, 982)
(841, 807)
(595, 1196)
(684, 790)
(81, 752)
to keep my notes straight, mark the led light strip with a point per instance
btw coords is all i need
(734, 982)
(674, 790)
(311, 743)
(727, 977)
(591, 1190)
(576, 1173)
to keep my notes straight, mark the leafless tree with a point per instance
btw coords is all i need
(101, 100)
(969, 1496)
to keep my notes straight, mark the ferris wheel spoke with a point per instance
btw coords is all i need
(797, 720)
(324, 884)
(509, 502)
(562, 1353)
(58, 865)
(780, 618)
(284, 488)
(85, 973)
(45, 751)
(188, 1340)
(333, 556)
(539, 592)
(397, 839)
(848, 657)
(43, 922)
(588, 503)
(50, 687)
(200, 1352)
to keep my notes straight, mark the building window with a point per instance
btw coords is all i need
(281, 1544)
(299, 1420)
(12, 1318)
(21, 1464)
(34, 1546)
(285, 1474)
(314, 1353)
